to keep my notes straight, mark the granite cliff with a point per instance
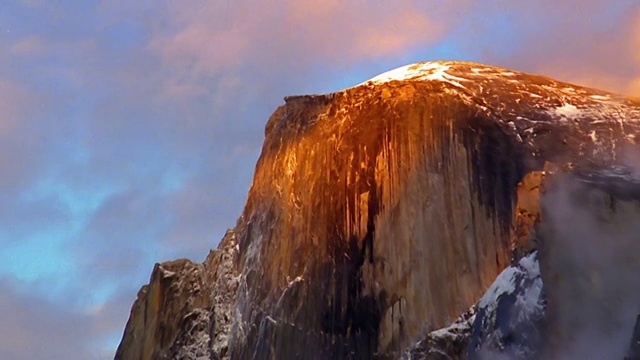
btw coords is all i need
(426, 213)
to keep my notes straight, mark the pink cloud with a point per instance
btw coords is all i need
(209, 38)
(351, 31)
(634, 88)
(220, 38)
(15, 102)
(634, 85)
(19, 142)
(31, 45)
(214, 36)
(589, 45)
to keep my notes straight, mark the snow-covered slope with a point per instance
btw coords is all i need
(511, 314)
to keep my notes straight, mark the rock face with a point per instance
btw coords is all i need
(185, 312)
(383, 212)
(451, 342)
(586, 306)
(510, 319)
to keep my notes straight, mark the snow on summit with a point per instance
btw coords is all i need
(419, 71)
(436, 71)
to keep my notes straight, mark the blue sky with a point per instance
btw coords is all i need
(129, 130)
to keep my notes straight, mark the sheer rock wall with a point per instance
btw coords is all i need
(384, 211)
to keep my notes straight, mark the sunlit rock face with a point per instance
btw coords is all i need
(363, 228)
(383, 212)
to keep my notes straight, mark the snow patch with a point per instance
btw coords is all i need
(528, 302)
(567, 110)
(435, 343)
(631, 138)
(296, 280)
(530, 266)
(510, 311)
(166, 273)
(505, 283)
(458, 328)
(425, 71)
(508, 280)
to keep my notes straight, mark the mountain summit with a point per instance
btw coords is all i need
(419, 214)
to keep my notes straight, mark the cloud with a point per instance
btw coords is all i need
(28, 46)
(18, 106)
(634, 87)
(35, 329)
(592, 45)
(211, 36)
(205, 39)
(593, 291)
(13, 99)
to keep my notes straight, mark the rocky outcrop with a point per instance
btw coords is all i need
(587, 304)
(384, 211)
(511, 315)
(186, 310)
(168, 313)
(527, 215)
(448, 343)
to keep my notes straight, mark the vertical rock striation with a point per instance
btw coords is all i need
(384, 211)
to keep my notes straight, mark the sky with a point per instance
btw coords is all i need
(129, 130)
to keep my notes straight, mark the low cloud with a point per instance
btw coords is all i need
(590, 275)
(32, 328)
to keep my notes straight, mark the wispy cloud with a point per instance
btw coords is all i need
(28, 46)
(33, 329)
(208, 39)
(593, 44)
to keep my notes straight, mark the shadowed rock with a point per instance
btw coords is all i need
(186, 310)
(634, 348)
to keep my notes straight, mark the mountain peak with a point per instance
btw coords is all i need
(386, 210)
(421, 71)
